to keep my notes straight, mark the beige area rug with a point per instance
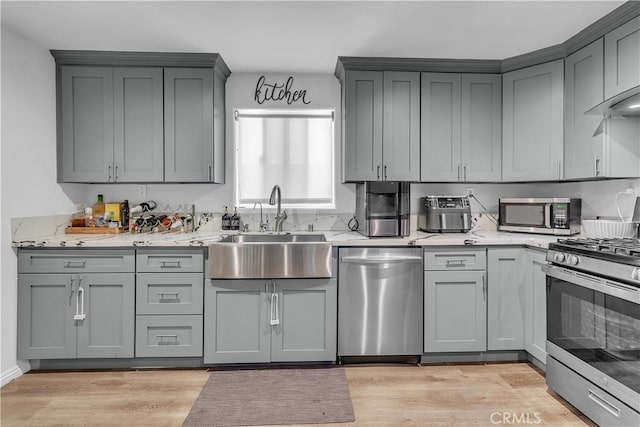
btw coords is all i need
(273, 396)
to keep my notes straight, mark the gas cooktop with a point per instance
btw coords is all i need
(598, 247)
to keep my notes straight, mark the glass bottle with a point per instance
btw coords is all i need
(235, 220)
(97, 210)
(226, 220)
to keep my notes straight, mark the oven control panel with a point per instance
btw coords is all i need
(568, 259)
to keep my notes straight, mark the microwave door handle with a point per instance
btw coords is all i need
(547, 215)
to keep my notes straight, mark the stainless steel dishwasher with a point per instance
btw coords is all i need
(380, 302)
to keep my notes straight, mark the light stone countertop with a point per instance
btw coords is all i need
(336, 238)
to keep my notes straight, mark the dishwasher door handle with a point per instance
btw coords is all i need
(379, 260)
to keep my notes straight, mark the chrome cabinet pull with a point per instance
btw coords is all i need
(210, 174)
(378, 172)
(173, 294)
(109, 167)
(71, 289)
(455, 262)
(75, 264)
(464, 169)
(458, 172)
(161, 338)
(170, 264)
(80, 304)
(116, 176)
(385, 172)
(596, 164)
(484, 288)
(274, 318)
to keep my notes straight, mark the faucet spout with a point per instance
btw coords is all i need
(276, 199)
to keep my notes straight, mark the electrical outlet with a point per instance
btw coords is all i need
(142, 190)
(470, 191)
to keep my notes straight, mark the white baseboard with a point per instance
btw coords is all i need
(10, 375)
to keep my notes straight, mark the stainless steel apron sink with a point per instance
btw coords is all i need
(270, 256)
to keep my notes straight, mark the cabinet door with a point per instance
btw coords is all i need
(138, 125)
(307, 330)
(46, 328)
(107, 301)
(506, 308)
(236, 322)
(440, 127)
(481, 134)
(363, 126)
(188, 121)
(583, 149)
(455, 311)
(401, 138)
(622, 58)
(85, 128)
(535, 337)
(532, 128)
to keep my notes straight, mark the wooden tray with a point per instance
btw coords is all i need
(94, 230)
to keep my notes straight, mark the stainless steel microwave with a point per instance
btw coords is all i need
(558, 216)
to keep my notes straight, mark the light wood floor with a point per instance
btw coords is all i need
(384, 395)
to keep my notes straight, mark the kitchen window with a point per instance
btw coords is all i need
(291, 148)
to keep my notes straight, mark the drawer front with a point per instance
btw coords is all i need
(150, 261)
(474, 259)
(76, 261)
(169, 336)
(169, 293)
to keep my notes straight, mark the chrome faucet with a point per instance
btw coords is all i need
(275, 199)
(264, 226)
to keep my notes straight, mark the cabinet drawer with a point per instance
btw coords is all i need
(437, 259)
(169, 336)
(169, 293)
(76, 261)
(175, 261)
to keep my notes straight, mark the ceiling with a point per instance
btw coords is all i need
(305, 36)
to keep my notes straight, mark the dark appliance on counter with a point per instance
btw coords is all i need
(382, 208)
(593, 327)
(557, 216)
(444, 214)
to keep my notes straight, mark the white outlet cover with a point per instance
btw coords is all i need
(142, 191)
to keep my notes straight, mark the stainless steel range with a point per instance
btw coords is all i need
(593, 327)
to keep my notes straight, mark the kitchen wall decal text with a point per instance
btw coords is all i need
(279, 92)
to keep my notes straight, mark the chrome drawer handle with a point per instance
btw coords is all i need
(604, 404)
(174, 295)
(455, 262)
(170, 264)
(161, 338)
(75, 264)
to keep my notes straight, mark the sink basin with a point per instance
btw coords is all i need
(270, 256)
(273, 238)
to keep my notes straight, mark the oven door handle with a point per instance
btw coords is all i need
(608, 287)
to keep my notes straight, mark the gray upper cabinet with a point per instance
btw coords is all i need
(583, 145)
(382, 127)
(461, 130)
(138, 139)
(111, 124)
(532, 128)
(401, 126)
(622, 58)
(140, 117)
(363, 125)
(85, 130)
(189, 153)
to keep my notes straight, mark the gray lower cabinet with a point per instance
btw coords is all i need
(455, 300)
(532, 123)
(261, 321)
(535, 333)
(169, 302)
(75, 315)
(111, 125)
(461, 133)
(506, 299)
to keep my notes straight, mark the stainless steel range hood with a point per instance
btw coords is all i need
(624, 104)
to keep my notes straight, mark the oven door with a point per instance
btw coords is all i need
(593, 327)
